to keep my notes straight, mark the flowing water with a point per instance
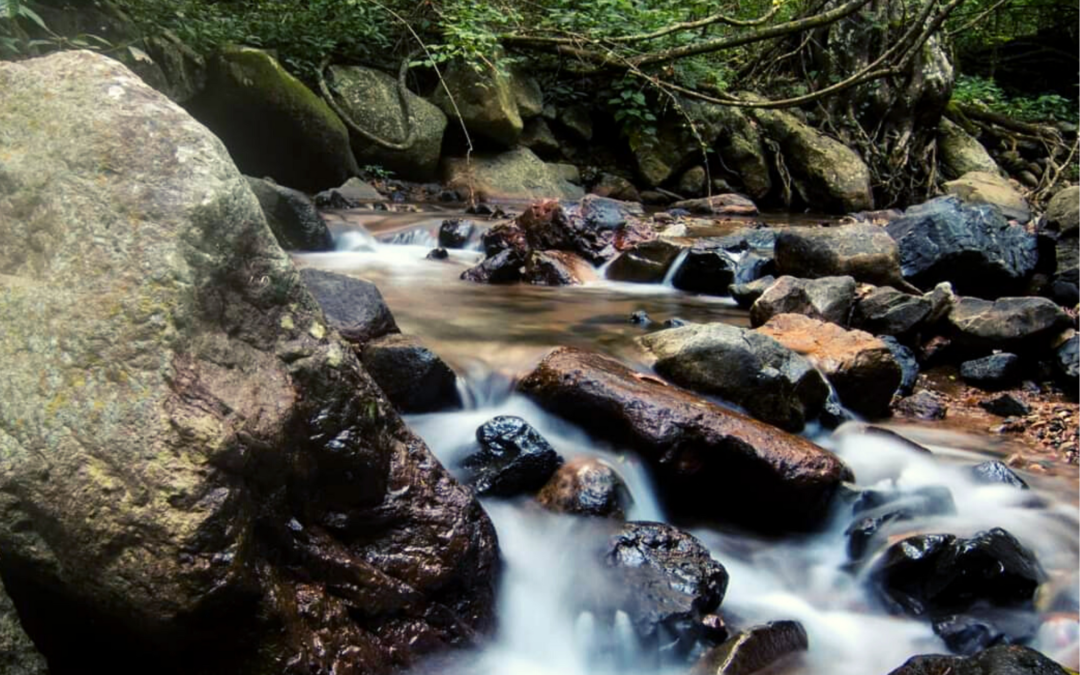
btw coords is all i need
(493, 334)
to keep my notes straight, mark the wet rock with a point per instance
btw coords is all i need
(18, 655)
(412, 376)
(773, 383)
(754, 649)
(439, 253)
(865, 252)
(204, 380)
(937, 573)
(504, 267)
(666, 581)
(710, 462)
(706, 269)
(1005, 405)
(719, 205)
(514, 458)
(292, 217)
(483, 98)
(747, 294)
(1013, 324)
(455, 233)
(978, 187)
(557, 268)
(998, 660)
(646, 263)
(875, 509)
(271, 123)
(859, 366)
(972, 246)
(353, 307)
(586, 486)
(512, 175)
(997, 371)
(886, 311)
(995, 472)
(640, 318)
(827, 299)
(922, 405)
(909, 365)
(617, 187)
(349, 195)
(983, 627)
(595, 227)
(371, 98)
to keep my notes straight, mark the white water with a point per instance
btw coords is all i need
(546, 556)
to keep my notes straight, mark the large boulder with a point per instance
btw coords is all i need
(372, 101)
(484, 98)
(742, 152)
(271, 123)
(961, 153)
(514, 175)
(680, 141)
(197, 474)
(827, 299)
(412, 376)
(827, 174)
(353, 307)
(979, 187)
(999, 660)
(711, 463)
(1014, 324)
(860, 367)
(865, 252)
(292, 217)
(771, 382)
(970, 245)
(18, 655)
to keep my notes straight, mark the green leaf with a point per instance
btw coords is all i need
(28, 13)
(139, 55)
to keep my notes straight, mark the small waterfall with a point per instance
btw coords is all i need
(356, 239)
(669, 276)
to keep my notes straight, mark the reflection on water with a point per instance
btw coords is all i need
(493, 334)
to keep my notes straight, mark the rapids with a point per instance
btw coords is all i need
(493, 334)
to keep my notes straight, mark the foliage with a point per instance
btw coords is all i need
(986, 93)
(376, 172)
(17, 17)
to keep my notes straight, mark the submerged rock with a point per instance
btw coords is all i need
(586, 486)
(754, 649)
(711, 463)
(865, 252)
(827, 299)
(773, 383)
(292, 217)
(982, 627)
(412, 376)
(353, 307)
(219, 481)
(513, 459)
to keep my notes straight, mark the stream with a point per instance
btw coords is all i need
(493, 334)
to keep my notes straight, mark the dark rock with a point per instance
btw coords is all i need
(585, 486)
(971, 246)
(706, 269)
(773, 383)
(18, 655)
(646, 263)
(983, 627)
(709, 461)
(865, 252)
(353, 307)
(937, 573)
(719, 205)
(1067, 364)
(998, 660)
(455, 233)
(504, 237)
(886, 311)
(1005, 405)
(997, 371)
(826, 299)
(539, 138)
(873, 509)
(692, 182)
(292, 217)
(412, 376)
(667, 583)
(675, 322)
(751, 267)
(514, 458)
(641, 318)
(995, 472)
(504, 267)
(860, 367)
(438, 254)
(747, 294)
(617, 187)
(1012, 324)
(754, 649)
(922, 405)
(595, 227)
(556, 268)
(909, 365)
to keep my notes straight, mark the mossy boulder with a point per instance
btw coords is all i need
(485, 99)
(676, 147)
(514, 175)
(370, 97)
(196, 474)
(271, 123)
(961, 152)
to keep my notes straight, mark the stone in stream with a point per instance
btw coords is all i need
(198, 475)
(292, 217)
(981, 627)
(997, 371)
(827, 299)
(513, 459)
(1011, 324)
(710, 463)
(997, 473)
(646, 263)
(875, 509)
(412, 376)
(745, 295)
(858, 365)
(586, 486)
(456, 232)
(754, 649)
(931, 574)
(998, 660)
(706, 269)
(865, 252)
(353, 307)
(751, 370)
(557, 268)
